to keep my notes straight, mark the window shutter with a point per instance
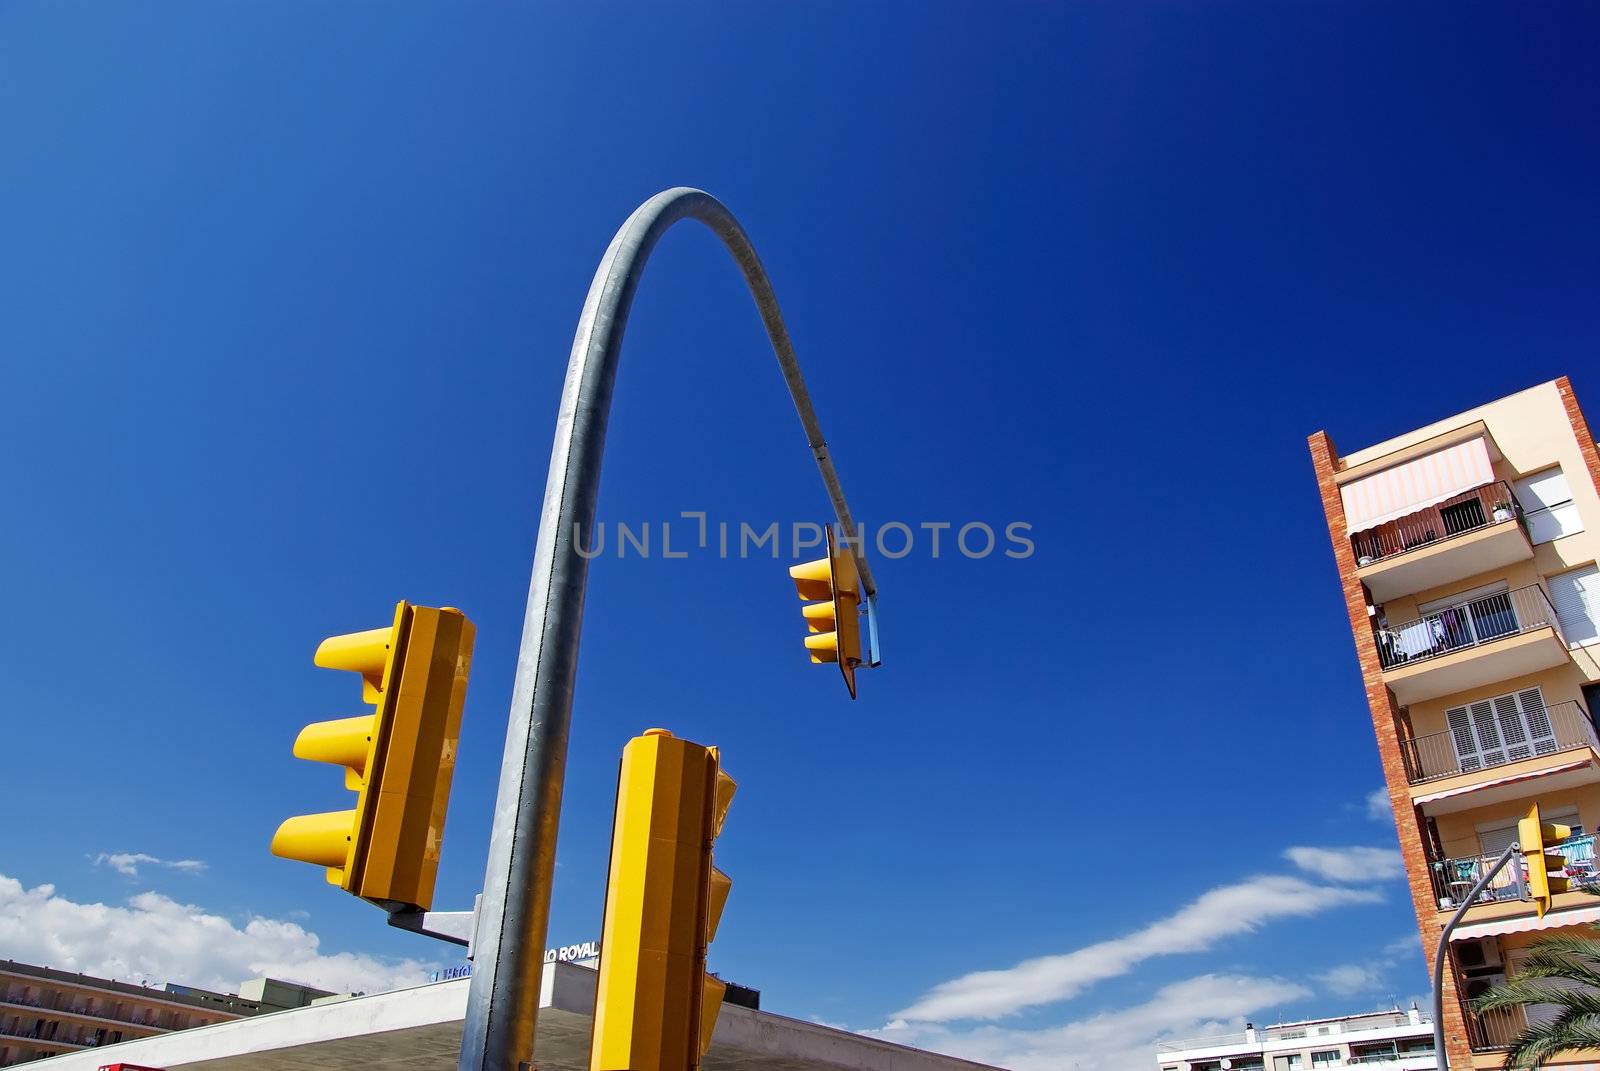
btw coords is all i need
(1488, 736)
(1547, 505)
(1461, 736)
(1538, 718)
(1543, 489)
(1576, 596)
(1512, 730)
(1495, 841)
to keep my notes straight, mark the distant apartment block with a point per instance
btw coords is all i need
(1467, 553)
(1381, 1041)
(47, 1012)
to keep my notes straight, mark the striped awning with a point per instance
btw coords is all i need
(1525, 924)
(1478, 786)
(1417, 484)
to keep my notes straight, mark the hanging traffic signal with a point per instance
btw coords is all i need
(831, 589)
(1546, 867)
(398, 760)
(656, 1006)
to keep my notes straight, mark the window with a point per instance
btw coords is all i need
(1495, 838)
(1324, 1057)
(1290, 1062)
(1547, 505)
(1576, 597)
(1503, 729)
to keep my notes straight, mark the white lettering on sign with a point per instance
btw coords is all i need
(565, 954)
(572, 953)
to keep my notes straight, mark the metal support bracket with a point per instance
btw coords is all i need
(456, 927)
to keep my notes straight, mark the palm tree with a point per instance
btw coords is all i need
(1564, 974)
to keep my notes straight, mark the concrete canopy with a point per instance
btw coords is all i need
(420, 1030)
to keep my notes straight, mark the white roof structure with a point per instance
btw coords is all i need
(1256, 1047)
(420, 1030)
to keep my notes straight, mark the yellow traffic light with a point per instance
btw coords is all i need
(831, 589)
(1537, 837)
(399, 760)
(656, 1006)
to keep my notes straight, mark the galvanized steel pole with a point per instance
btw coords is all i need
(503, 1004)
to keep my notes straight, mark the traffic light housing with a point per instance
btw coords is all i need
(656, 1006)
(831, 590)
(399, 759)
(1537, 839)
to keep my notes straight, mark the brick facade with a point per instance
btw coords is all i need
(1580, 429)
(1390, 728)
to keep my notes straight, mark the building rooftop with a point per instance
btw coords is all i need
(193, 998)
(1361, 1026)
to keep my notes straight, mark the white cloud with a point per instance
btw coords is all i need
(158, 938)
(1352, 979)
(1348, 864)
(1121, 1040)
(1225, 911)
(1379, 809)
(1371, 975)
(128, 863)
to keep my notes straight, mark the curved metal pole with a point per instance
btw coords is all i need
(508, 949)
(1441, 1058)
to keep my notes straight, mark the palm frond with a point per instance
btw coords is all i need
(1539, 1042)
(1523, 990)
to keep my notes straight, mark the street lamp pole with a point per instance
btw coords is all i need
(1441, 1058)
(508, 947)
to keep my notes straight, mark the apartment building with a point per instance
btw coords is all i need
(1467, 551)
(47, 1012)
(1382, 1041)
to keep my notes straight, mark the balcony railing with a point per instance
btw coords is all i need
(1423, 1053)
(1494, 1029)
(59, 1003)
(1469, 511)
(1563, 725)
(1467, 624)
(1453, 879)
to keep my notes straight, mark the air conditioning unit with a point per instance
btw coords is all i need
(1475, 987)
(1478, 955)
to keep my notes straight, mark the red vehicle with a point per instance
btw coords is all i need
(129, 1067)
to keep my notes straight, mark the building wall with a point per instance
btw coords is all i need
(46, 1013)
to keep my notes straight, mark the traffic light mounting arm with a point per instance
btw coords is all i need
(874, 655)
(456, 927)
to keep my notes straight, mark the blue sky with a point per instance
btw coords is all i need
(288, 290)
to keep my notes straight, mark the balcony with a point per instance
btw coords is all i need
(1471, 643)
(1385, 1057)
(1475, 532)
(1453, 879)
(1520, 743)
(1491, 1031)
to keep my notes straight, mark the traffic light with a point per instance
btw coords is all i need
(656, 1006)
(831, 589)
(1537, 837)
(398, 760)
